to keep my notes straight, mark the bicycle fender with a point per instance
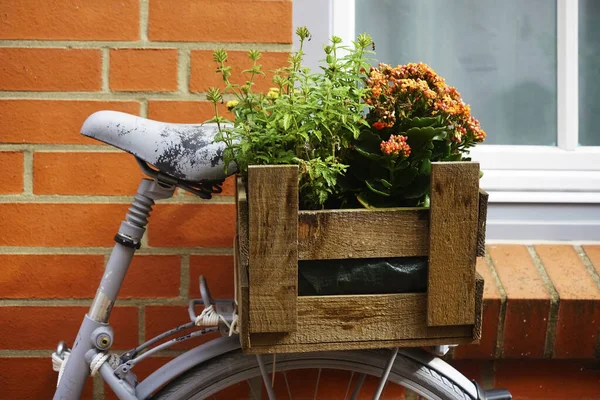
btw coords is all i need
(185, 362)
(223, 345)
(443, 368)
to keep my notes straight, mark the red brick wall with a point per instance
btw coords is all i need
(62, 197)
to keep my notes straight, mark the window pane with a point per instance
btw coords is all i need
(589, 72)
(501, 56)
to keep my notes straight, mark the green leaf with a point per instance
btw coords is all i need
(385, 183)
(363, 201)
(367, 154)
(371, 185)
(403, 178)
(453, 157)
(418, 189)
(426, 133)
(425, 167)
(422, 122)
(369, 141)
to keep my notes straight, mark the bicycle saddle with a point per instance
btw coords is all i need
(183, 151)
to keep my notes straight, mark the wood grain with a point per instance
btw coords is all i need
(329, 319)
(337, 234)
(370, 344)
(242, 221)
(453, 223)
(241, 258)
(273, 240)
(241, 296)
(478, 326)
(482, 222)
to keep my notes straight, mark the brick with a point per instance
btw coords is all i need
(492, 300)
(593, 253)
(218, 271)
(579, 306)
(31, 378)
(221, 21)
(549, 380)
(50, 224)
(192, 225)
(86, 173)
(70, 20)
(228, 187)
(163, 318)
(50, 69)
(151, 276)
(527, 302)
(11, 165)
(184, 112)
(50, 276)
(52, 121)
(203, 68)
(152, 70)
(40, 328)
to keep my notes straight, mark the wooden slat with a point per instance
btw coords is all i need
(241, 296)
(371, 344)
(242, 221)
(478, 326)
(273, 234)
(241, 258)
(481, 225)
(336, 234)
(453, 223)
(330, 319)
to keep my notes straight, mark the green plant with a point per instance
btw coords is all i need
(309, 119)
(416, 119)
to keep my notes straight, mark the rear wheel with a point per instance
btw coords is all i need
(322, 375)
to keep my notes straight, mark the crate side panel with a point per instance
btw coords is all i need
(328, 319)
(453, 224)
(273, 233)
(337, 234)
(482, 222)
(478, 325)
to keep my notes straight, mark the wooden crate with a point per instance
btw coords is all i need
(272, 235)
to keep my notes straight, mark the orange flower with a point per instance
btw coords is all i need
(415, 89)
(396, 145)
(378, 125)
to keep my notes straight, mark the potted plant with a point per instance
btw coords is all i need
(344, 164)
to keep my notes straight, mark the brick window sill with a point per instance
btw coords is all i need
(540, 302)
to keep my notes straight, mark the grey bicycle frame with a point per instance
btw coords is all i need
(95, 334)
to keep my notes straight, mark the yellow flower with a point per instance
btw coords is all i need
(231, 104)
(273, 93)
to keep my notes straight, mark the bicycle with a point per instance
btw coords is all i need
(185, 156)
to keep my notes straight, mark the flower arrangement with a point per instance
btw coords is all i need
(361, 139)
(415, 119)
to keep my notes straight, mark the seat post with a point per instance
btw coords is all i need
(128, 240)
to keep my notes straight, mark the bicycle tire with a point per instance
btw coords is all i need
(226, 370)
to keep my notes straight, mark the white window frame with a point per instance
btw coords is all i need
(566, 173)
